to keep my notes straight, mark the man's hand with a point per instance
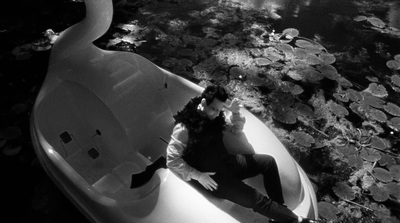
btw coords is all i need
(207, 181)
(234, 106)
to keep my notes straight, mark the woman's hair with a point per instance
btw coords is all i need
(214, 91)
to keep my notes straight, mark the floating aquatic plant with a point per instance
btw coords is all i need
(377, 90)
(285, 48)
(290, 33)
(285, 115)
(377, 143)
(237, 72)
(393, 189)
(328, 71)
(262, 61)
(394, 123)
(313, 59)
(327, 58)
(372, 20)
(376, 22)
(328, 211)
(300, 53)
(392, 109)
(303, 110)
(291, 87)
(295, 75)
(310, 47)
(370, 155)
(382, 175)
(395, 172)
(378, 193)
(372, 100)
(344, 191)
(283, 99)
(312, 75)
(303, 138)
(337, 109)
(354, 95)
(377, 115)
(272, 54)
(393, 64)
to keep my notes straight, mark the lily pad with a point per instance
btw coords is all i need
(338, 110)
(377, 142)
(360, 18)
(285, 48)
(310, 47)
(395, 122)
(354, 95)
(377, 90)
(312, 75)
(303, 110)
(393, 64)
(262, 61)
(387, 160)
(344, 82)
(303, 138)
(373, 101)
(392, 109)
(370, 155)
(377, 115)
(11, 151)
(347, 150)
(393, 189)
(328, 211)
(313, 60)
(329, 71)
(341, 96)
(327, 58)
(382, 175)
(300, 53)
(355, 161)
(397, 57)
(376, 22)
(344, 191)
(380, 211)
(379, 194)
(237, 72)
(291, 87)
(282, 99)
(292, 32)
(395, 172)
(395, 80)
(285, 115)
(272, 54)
(295, 75)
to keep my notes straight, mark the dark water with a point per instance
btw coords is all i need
(324, 20)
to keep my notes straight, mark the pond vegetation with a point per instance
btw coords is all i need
(337, 112)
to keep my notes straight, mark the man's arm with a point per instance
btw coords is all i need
(237, 120)
(175, 150)
(175, 162)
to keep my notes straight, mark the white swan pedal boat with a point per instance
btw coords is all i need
(102, 116)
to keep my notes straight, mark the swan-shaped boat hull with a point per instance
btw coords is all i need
(102, 116)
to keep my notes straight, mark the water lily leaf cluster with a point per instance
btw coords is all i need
(377, 24)
(294, 84)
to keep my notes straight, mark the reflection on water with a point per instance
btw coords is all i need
(394, 15)
(315, 17)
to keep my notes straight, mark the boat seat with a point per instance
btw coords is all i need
(116, 184)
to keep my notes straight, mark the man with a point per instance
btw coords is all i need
(197, 154)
